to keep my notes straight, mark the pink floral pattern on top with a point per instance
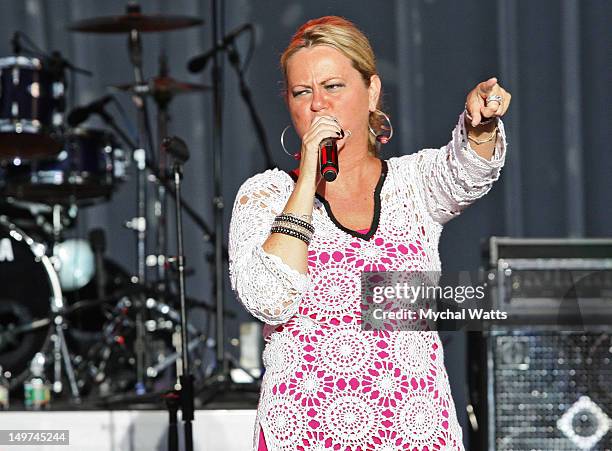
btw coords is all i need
(329, 384)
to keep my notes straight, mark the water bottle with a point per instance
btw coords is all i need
(4, 390)
(37, 389)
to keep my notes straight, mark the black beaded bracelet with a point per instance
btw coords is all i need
(296, 221)
(294, 226)
(291, 232)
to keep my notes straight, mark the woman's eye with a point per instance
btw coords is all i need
(299, 93)
(333, 86)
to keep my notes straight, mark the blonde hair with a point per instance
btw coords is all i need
(342, 35)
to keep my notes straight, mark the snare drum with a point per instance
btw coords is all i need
(31, 105)
(88, 168)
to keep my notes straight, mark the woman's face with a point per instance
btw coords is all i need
(321, 81)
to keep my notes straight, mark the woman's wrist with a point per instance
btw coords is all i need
(483, 120)
(306, 183)
(480, 129)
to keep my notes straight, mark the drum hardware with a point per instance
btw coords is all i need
(111, 360)
(133, 22)
(162, 95)
(55, 60)
(61, 183)
(19, 246)
(35, 217)
(162, 88)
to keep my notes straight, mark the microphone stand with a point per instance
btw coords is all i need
(178, 150)
(220, 378)
(220, 381)
(245, 92)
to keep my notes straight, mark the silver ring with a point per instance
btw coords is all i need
(495, 98)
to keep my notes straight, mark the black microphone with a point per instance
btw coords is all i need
(198, 63)
(97, 239)
(81, 113)
(176, 147)
(329, 159)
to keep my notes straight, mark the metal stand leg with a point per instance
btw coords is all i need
(57, 364)
(61, 339)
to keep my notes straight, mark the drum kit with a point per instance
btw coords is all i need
(103, 330)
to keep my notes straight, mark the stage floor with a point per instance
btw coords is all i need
(133, 430)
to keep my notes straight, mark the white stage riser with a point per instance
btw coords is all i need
(121, 430)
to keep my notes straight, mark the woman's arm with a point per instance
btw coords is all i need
(454, 176)
(293, 251)
(268, 287)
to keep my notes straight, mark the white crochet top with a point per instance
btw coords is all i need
(329, 384)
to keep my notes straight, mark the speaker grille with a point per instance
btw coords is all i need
(552, 390)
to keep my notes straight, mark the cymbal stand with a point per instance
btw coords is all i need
(162, 100)
(139, 223)
(58, 338)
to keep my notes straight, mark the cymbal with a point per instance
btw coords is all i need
(161, 85)
(134, 21)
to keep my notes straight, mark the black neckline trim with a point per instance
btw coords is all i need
(377, 203)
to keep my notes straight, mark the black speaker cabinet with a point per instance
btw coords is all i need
(539, 388)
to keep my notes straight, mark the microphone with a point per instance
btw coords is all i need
(176, 147)
(81, 113)
(198, 63)
(328, 156)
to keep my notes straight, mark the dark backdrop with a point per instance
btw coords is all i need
(553, 55)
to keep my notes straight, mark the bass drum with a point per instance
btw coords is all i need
(30, 290)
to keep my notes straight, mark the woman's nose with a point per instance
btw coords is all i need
(319, 100)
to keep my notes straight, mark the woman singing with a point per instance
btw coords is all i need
(298, 246)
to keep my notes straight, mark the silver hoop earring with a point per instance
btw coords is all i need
(386, 131)
(295, 156)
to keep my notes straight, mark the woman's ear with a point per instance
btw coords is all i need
(374, 92)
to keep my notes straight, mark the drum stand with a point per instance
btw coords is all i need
(60, 351)
(139, 224)
(57, 338)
